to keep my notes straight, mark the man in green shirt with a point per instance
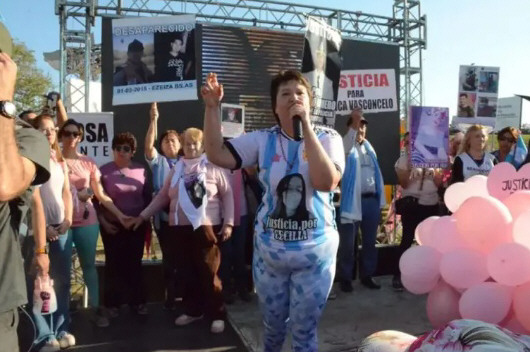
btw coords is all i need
(24, 161)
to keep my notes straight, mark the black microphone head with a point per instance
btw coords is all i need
(297, 128)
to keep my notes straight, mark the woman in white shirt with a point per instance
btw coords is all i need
(420, 193)
(52, 332)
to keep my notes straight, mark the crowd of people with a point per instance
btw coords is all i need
(197, 204)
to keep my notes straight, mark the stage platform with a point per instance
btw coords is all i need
(346, 321)
(155, 332)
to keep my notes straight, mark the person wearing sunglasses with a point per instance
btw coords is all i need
(126, 183)
(507, 138)
(85, 179)
(53, 332)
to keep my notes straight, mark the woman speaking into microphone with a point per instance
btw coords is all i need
(294, 256)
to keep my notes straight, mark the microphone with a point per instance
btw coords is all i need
(297, 128)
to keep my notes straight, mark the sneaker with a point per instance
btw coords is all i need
(186, 319)
(141, 309)
(218, 326)
(52, 345)
(332, 295)
(66, 340)
(101, 319)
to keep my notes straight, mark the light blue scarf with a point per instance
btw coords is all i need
(350, 203)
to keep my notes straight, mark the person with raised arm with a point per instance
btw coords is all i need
(24, 162)
(296, 235)
(160, 165)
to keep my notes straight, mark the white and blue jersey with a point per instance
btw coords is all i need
(292, 215)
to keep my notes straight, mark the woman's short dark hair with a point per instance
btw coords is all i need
(511, 130)
(284, 77)
(73, 122)
(164, 135)
(124, 138)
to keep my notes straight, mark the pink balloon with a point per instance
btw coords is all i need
(517, 203)
(454, 196)
(489, 302)
(463, 268)
(484, 222)
(504, 180)
(442, 305)
(423, 230)
(511, 323)
(521, 304)
(445, 236)
(420, 263)
(477, 186)
(418, 287)
(509, 264)
(520, 227)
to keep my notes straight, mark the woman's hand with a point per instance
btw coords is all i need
(357, 116)
(135, 223)
(298, 109)
(415, 173)
(125, 221)
(41, 262)
(226, 232)
(51, 233)
(212, 92)
(153, 113)
(64, 226)
(107, 226)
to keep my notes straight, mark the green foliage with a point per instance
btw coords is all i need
(32, 83)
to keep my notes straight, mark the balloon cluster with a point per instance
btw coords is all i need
(475, 264)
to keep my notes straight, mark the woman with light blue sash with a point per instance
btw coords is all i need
(296, 237)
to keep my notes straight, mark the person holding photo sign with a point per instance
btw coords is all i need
(160, 165)
(294, 250)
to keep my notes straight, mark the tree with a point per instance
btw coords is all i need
(32, 83)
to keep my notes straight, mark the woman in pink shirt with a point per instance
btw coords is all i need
(201, 214)
(85, 179)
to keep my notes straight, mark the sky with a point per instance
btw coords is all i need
(459, 32)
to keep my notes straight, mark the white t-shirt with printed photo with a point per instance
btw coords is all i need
(292, 215)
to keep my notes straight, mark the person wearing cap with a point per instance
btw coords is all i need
(362, 198)
(25, 162)
(134, 71)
